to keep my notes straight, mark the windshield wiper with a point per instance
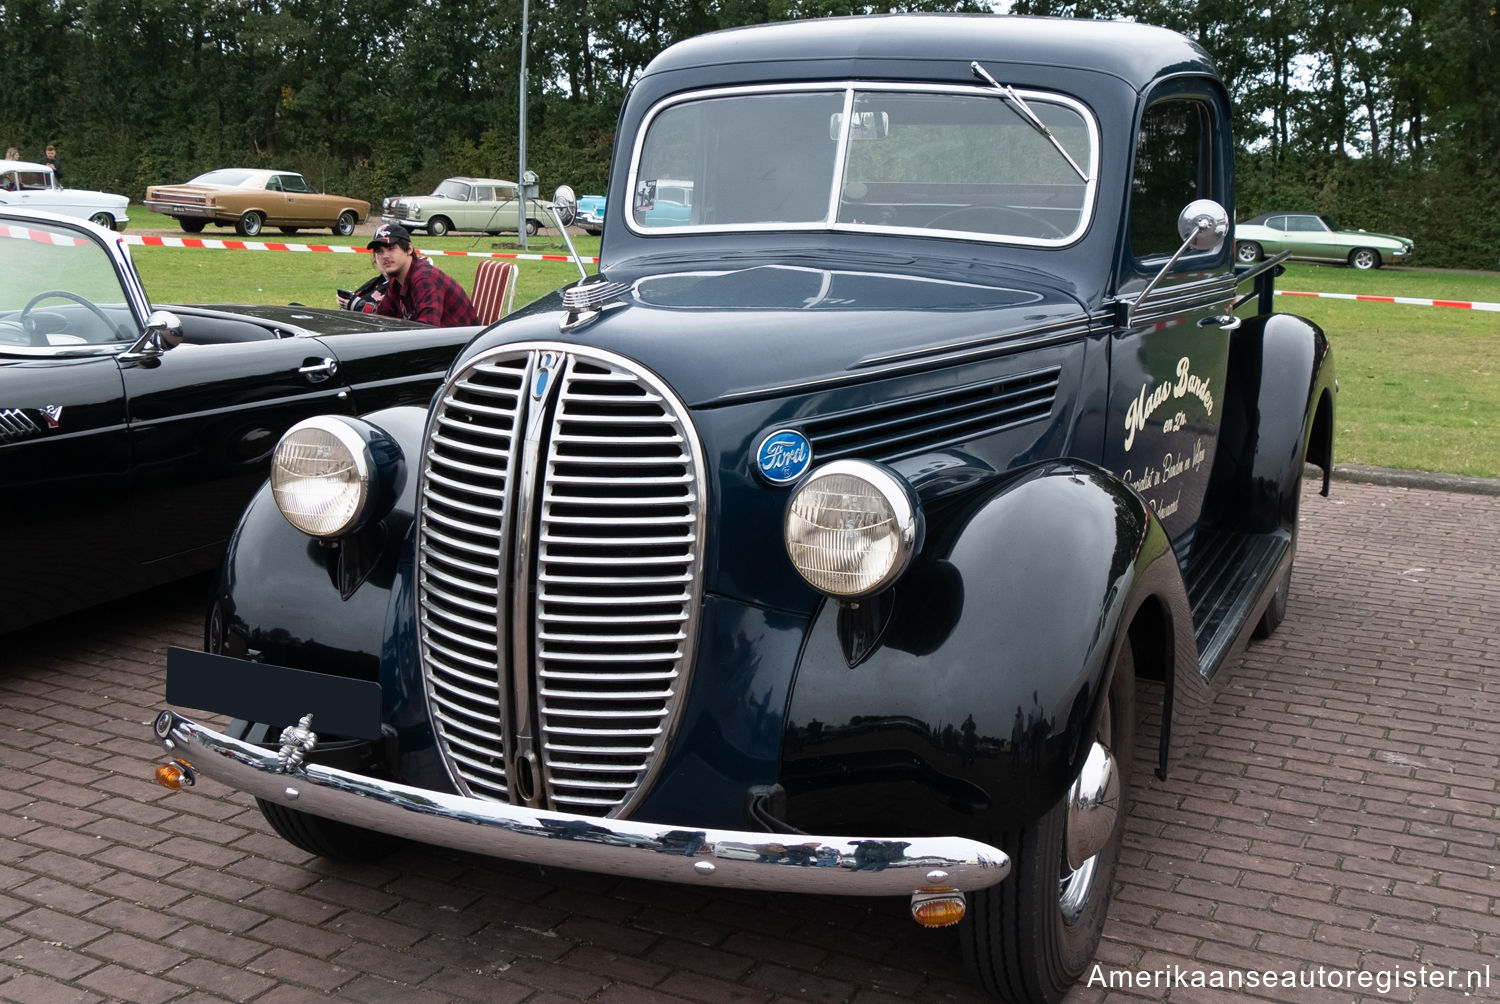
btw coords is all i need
(1024, 110)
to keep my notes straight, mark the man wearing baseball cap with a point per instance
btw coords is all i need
(416, 289)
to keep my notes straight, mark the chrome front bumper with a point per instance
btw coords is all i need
(848, 866)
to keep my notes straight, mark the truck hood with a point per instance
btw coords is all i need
(722, 336)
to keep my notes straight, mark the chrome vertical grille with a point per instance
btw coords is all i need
(560, 553)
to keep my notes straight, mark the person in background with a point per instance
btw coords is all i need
(416, 290)
(11, 153)
(51, 161)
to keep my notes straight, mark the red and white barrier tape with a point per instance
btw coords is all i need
(40, 236)
(212, 244)
(206, 242)
(1411, 300)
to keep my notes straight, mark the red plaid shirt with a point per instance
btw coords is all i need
(429, 295)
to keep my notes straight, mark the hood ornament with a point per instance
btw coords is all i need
(588, 300)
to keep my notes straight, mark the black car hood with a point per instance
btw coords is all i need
(737, 334)
(295, 317)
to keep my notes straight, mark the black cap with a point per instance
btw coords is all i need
(390, 233)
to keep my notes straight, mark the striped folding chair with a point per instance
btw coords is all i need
(494, 289)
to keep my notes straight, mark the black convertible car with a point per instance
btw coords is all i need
(131, 437)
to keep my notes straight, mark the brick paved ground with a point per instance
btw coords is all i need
(1342, 814)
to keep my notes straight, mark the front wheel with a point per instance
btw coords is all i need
(438, 226)
(103, 220)
(1247, 252)
(1032, 937)
(1364, 259)
(344, 225)
(327, 838)
(249, 223)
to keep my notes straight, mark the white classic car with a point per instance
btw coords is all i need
(24, 185)
(486, 205)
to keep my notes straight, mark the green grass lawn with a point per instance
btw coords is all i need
(1419, 387)
(194, 275)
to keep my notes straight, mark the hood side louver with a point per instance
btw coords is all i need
(891, 430)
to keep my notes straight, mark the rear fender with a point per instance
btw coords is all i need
(967, 697)
(1278, 414)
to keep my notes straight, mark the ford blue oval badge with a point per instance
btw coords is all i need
(783, 456)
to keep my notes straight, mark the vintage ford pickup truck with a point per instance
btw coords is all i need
(816, 543)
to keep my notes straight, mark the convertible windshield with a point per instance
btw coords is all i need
(62, 290)
(955, 161)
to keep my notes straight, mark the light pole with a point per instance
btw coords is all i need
(521, 135)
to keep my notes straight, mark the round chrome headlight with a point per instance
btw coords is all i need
(852, 528)
(320, 476)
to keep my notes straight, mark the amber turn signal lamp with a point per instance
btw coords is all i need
(174, 775)
(938, 907)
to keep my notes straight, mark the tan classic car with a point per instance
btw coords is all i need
(250, 199)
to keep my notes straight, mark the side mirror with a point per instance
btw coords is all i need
(565, 205)
(1202, 225)
(166, 327)
(163, 332)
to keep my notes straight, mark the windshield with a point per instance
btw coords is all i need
(954, 161)
(62, 291)
(458, 191)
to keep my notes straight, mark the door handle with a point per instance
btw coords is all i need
(318, 370)
(1224, 322)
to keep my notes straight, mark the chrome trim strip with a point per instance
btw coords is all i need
(737, 859)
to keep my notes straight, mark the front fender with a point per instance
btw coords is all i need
(966, 699)
(287, 599)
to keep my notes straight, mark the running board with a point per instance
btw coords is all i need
(1229, 579)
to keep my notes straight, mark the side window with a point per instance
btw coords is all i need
(1173, 166)
(1277, 223)
(484, 193)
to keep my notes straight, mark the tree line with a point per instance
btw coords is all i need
(1385, 114)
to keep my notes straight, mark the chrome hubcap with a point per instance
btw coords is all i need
(1093, 810)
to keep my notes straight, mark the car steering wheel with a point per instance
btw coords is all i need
(1041, 227)
(37, 336)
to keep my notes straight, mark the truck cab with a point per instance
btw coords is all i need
(918, 408)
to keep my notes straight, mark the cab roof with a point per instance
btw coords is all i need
(1135, 53)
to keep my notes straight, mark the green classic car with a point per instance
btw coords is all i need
(1311, 237)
